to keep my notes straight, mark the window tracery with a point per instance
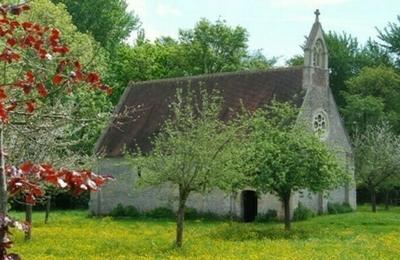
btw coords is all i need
(320, 124)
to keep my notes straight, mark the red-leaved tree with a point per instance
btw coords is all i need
(35, 68)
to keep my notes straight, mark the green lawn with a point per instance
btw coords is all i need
(73, 235)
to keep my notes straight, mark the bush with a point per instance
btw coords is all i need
(118, 211)
(131, 211)
(302, 213)
(338, 208)
(161, 213)
(267, 217)
(191, 213)
(121, 211)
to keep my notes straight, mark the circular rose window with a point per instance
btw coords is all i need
(320, 124)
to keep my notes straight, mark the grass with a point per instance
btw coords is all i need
(74, 235)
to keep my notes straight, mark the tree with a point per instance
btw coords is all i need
(35, 69)
(77, 136)
(107, 20)
(284, 158)
(217, 47)
(377, 158)
(207, 48)
(372, 97)
(191, 151)
(390, 35)
(347, 58)
(146, 61)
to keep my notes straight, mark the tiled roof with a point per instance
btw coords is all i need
(151, 99)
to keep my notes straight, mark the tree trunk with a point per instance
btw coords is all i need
(286, 205)
(180, 217)
(386, 200)
(48, 206)
(3, 193)
(373, 199)
(28, 219)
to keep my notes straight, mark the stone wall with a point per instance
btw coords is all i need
(318, 97)
(124, 190)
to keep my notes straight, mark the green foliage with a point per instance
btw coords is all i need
(347, 58)
(339, 208)
(81, 45)
(271, 215)
(216, 47)
(377, 158)
(391, 37)
(276, 140)
(302, 213)
(207, 48)
(89, 109)
(161, 212)
(108, 21)
(184, 154)
(372, 97)
(124, 211)
(118, 211)
(193, 150)
(283, 156)
(297, 60)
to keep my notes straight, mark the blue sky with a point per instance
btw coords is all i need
(276, 27)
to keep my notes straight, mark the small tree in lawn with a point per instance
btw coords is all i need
(191, 152)
(377, 159)
(285, 158)
(34, 70)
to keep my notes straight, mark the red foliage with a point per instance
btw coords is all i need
(30, 106)
(41, 88)
(26, 37)
(27, 180)
(26, 43)
(57, 79)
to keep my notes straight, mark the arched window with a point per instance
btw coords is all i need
(320, 124)
(318, 54)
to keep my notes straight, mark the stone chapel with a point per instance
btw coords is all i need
(306, 86)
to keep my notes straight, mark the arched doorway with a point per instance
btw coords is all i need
(249, 205)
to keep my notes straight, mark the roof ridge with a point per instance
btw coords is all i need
(210, 75)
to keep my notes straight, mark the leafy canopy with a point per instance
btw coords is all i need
(391, 38)
(372, 97)
(207, 48)
(108, 21)
(285, 157)
(192, 150)
(377, 156)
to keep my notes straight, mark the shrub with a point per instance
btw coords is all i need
(302, 213)
(191, 213)
(118, 211)
(121, 211)
(267, 217)
(338, 208)
(161, 213)
(131, 211)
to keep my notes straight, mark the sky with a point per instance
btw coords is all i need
(277, 27)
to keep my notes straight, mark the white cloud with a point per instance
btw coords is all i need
(138, 6)
(306, 3)
(167, 10)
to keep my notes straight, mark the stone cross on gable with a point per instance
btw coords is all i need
(317, 13)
